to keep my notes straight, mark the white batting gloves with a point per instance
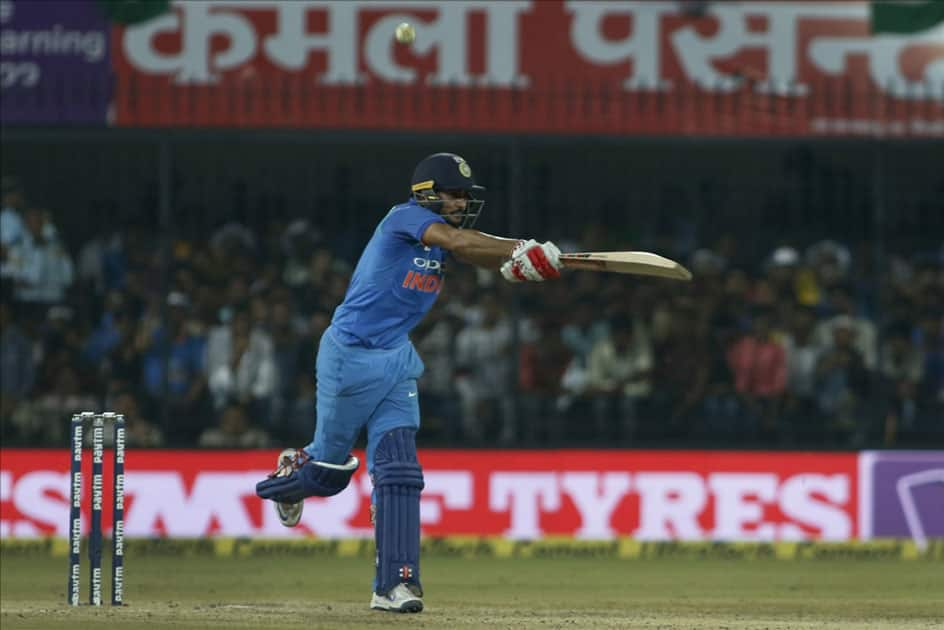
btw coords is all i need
(532, 261)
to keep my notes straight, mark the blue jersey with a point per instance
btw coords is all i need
(395, 283)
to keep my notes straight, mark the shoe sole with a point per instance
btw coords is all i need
(284, 519)
(407, 607)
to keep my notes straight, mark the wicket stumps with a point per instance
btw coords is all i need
(97, 421)
(95, 533)
(75, 511)
(118, 516)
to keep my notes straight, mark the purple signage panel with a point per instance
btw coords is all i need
(901, 495)
(55, 64)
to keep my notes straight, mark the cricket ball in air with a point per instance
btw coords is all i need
(405, 33)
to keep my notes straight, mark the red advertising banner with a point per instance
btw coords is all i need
(548, 66)
(598, 495)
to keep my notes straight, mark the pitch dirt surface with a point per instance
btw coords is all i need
(199, 592)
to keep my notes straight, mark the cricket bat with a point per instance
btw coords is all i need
(637, 263)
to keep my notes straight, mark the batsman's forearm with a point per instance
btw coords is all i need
(485, 262)
(482, 249)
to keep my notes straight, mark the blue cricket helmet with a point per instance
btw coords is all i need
(449, 172)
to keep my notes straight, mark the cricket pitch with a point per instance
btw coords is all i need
(332, 592)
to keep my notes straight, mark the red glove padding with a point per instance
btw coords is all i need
(531, 261)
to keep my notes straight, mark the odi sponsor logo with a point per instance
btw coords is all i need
(902, 495)
(96, 586)
(96, 493)
(800, 42)
(98, 435)
(77, 446)
(77, 490)
(76, 536)
(120, 446)
(119, 535)
(427, 281)
(586, 494)
(75, 575)
(426, 263)
(119, 584)
(119, 492)
(678, 505)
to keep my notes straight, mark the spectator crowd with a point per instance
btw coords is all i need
(212, 342)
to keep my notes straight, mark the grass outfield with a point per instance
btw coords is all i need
(200, 592)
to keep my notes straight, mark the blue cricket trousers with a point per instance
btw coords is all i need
(360, 387)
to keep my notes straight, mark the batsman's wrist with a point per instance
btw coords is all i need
(508, 272)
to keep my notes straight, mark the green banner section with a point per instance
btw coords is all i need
(133, 11)
(501, 548)
(901, 17)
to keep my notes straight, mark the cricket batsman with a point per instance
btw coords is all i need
(367, 368)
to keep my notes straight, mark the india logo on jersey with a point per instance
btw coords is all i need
(428, 282)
